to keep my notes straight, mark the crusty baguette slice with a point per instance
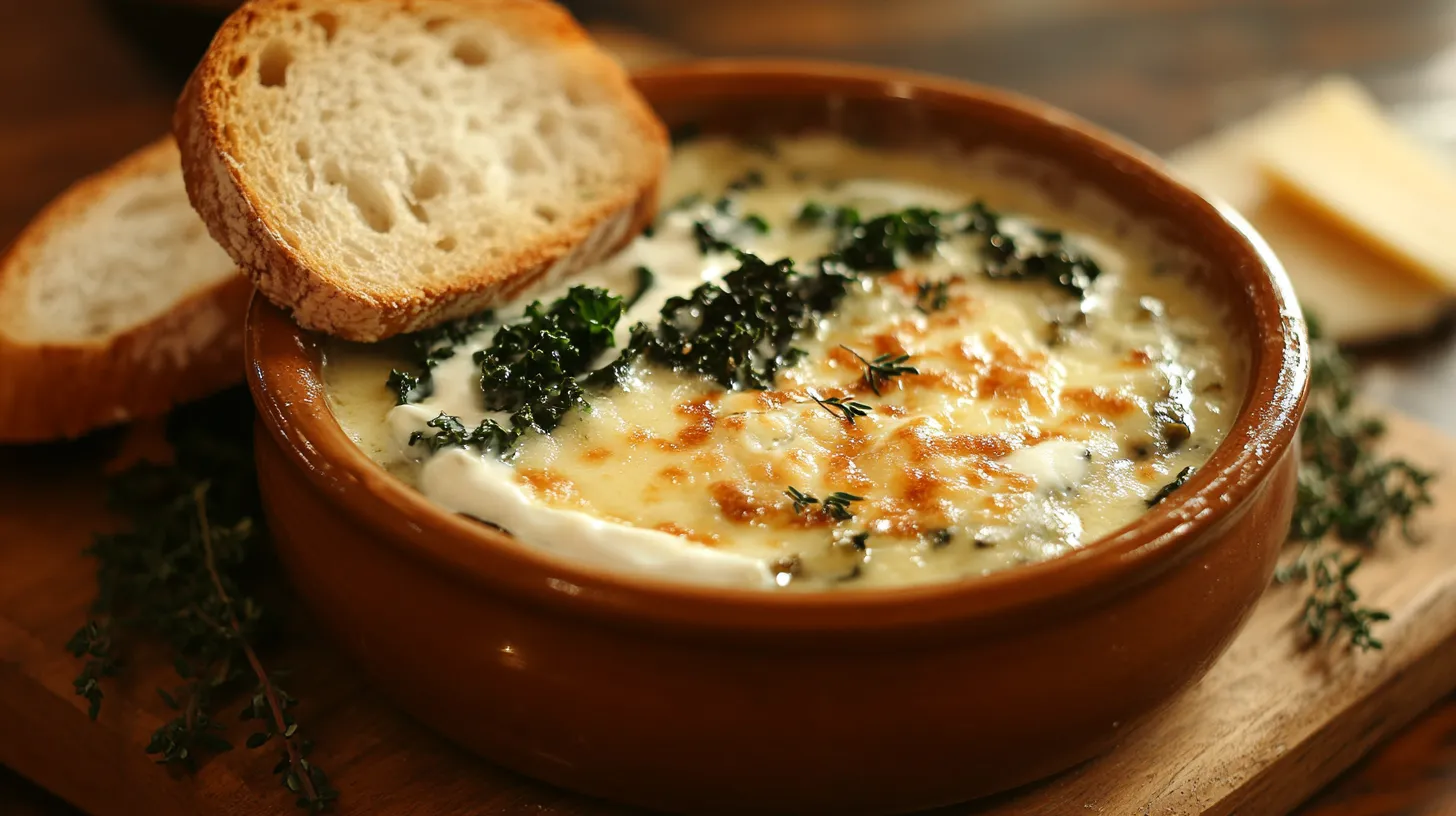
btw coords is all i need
(115, 304)
(379, 166)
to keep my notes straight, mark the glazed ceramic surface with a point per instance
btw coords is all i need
(701, 699)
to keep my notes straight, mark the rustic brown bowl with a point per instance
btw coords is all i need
(701, 699)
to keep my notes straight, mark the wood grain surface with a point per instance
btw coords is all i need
(77, 94)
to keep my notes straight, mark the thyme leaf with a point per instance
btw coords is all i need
(835, 505)
(882, 369)
(802, 501)
(932, 296)
(183, 572)
(1347, 491)
(838, 407)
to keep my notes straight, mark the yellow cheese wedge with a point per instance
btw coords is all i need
(1334, 152)
(1359, 293)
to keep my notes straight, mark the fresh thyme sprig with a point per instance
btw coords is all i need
(846, 410)
(1349, 491)
(836, 505)
(1332, 606)
(802, 501)
(180, 573)
(882, 369)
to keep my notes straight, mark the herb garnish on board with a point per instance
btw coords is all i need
(1346, 489)
(186, 572)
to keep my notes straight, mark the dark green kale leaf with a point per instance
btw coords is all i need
(450, 432)
(534, 369)
(1055, 263)
(876, 245)
(428, 349)
(531, 367)
(645, 280)
(1167, 490)
(740, 330)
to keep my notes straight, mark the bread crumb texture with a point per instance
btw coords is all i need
(382, 156)
(114, 252)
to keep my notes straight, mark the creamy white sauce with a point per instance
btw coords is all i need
(1036, 465)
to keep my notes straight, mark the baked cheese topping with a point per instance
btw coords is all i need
(945, 419)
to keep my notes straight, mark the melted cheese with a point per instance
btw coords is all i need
(1018, 439)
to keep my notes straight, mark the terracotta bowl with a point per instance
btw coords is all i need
(700, 699)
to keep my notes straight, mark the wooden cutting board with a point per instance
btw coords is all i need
(1269, 725)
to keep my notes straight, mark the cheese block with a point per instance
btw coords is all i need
(1337, 154)
(1360, 292)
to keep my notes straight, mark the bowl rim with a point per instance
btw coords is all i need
(283, 367)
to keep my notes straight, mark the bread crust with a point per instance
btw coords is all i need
(322, 298)
(53, 390)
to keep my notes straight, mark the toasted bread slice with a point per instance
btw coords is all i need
(380, 166)
(115, 304)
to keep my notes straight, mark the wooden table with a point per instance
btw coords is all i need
(77, 94)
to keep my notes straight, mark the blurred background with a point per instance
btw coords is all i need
(87, 81)
(1160, 71)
